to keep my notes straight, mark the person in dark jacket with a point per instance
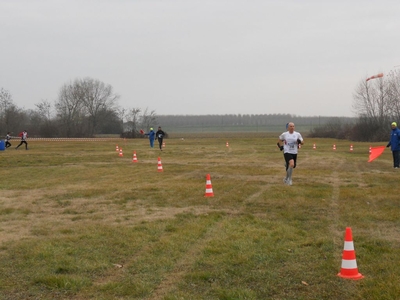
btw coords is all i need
(160, 136)
(8, 138)
(394, 143)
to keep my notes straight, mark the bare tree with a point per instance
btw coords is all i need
(371, 100)
(44, 120)
(393, 79)
(148, 118)
(97, 97)
(10, 114)
(5, 103)
(133, 118)
(69, 109)
(376, 103)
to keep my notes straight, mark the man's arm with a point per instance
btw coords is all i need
(279, 145)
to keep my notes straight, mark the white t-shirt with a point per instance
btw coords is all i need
(290, 141)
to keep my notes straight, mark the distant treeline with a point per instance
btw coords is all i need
(268, 122)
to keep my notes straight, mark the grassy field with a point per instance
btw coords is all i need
(77, 221)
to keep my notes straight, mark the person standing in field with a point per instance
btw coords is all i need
(8, 138)
(290, 141)
(24, 136)
(151, 134)
(394, 143)
(160, 136)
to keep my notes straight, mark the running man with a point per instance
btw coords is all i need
(291, 140)
(160, 136)
(24, 136)
(8, 138)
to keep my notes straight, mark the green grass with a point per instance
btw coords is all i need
(73, 213)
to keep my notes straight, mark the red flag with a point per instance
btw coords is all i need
(375, 152)
(141, 131)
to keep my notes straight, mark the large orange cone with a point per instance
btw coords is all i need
(159, 168)
(134, 159)
(121, 154)
(349, 268)
(209, 190)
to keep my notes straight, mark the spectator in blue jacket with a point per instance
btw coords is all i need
(152, 136)
(394, 143)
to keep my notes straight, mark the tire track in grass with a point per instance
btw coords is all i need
(334, 214)
(183, 266)
(171, 279)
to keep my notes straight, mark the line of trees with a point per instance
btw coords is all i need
(84, 108)
(262, 120)
(377, 104)
(88, 107)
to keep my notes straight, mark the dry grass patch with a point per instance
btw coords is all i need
(79, 222)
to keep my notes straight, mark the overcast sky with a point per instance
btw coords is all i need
(192, 57)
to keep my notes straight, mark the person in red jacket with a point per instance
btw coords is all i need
(24, 136)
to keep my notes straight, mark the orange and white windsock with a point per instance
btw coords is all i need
(380, 75)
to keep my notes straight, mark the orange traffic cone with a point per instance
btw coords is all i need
(369, 149)
(163, 144)
(334, 147)
(349, 268)
(116, 148)
(227, 144)
(134, 159)
(314, 147)
(209, 190)
(121, 154)
(351, 148)
(159, 167)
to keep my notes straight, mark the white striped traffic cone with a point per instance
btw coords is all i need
(349, 268)
(159, 167)
(209, 190)
(134, 159)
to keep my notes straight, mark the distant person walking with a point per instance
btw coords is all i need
(8, 138)
(291, 140)
(24, 136)
(394, 143)
(160, 136)
(151, 134)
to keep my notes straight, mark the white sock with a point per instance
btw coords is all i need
(289, 173)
